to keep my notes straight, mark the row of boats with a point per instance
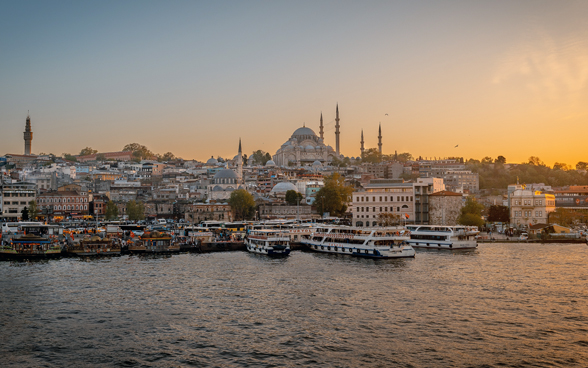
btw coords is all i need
(42, 241)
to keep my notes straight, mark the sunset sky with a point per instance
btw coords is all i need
(493, 77)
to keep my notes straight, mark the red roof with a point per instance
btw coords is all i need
(446, 193)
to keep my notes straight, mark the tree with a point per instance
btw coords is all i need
(536, 161)
(500, 160)
(140, 152)
(88, 151)
(389, 219)
(471, 213)
(135, 210)
(498, 214)
(561, 166)
(371, 155)
(168, 156)
(334, 196)
(487, 160)
(404, 157)
(244, 160)
(33, 210)
(111, 211)
(242, 204)
(581, 165)
(260, 157)
(69, 157)
(100, 157)
(25, 214)
(293, 197)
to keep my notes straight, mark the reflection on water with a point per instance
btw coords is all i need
(499, 305)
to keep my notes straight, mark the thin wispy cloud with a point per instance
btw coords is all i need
(550, 67)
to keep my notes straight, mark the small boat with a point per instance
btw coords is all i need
(156, 242)
(377, 242)
(443, 237)
(274, 243)
(95, 246)
(37, 242)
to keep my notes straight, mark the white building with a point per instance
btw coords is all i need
(382, 196)
(528, 207)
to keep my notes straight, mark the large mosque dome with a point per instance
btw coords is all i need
(225, 176)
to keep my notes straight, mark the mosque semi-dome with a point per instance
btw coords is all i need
(283, 187)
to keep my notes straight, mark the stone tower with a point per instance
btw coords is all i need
(240, 164)
(321, 131)
(28, 136)
(362, 148)
(337, 132)
(380, 139)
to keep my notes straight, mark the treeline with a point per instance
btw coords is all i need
(495, 174)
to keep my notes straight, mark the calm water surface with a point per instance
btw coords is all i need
(502, 305)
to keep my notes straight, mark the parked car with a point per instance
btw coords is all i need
(524, 236)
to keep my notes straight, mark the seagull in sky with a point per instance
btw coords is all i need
(386, 114)
(456, 146)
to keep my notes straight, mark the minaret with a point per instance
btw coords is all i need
(380, 139)
(28, 136)
(337, 132)
(240, 164)
(321, 128)
(362, 148)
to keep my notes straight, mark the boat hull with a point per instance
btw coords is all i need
(404, 251)
(449, 245)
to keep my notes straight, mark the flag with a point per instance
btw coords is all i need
(71, 234)
(406, 215)
(132, 234)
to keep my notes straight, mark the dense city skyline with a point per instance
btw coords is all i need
(192, 78)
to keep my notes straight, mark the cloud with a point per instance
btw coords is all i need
(546, 65)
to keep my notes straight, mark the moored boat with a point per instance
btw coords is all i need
(379, 242)
(274, 243)
(443, 237)
(37, 242)
(95, 246)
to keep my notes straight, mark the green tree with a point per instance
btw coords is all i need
(260, 157)
(534, 160)
(389, 219)
(69, 157)
(111, 211)
(33, 210)
(140, 152)
(500, 160)
(371, 155)
(293, 197)
(561, 166)
(135, 210)
(88, 151)
(244, 160)
(471, 213)
(100, 157)
(242, 204)
(404, 157)
(168, 156)
(334, 196)
(487, 160)
(498, 214)
(581, 165)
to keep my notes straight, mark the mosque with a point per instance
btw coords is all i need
(304, 147)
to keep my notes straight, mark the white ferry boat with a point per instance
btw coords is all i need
(443, 237)
(381, 242)
(274, 243)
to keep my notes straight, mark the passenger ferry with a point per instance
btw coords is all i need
(379, 242)
(95, 246)
(443, 237)
(270, 242)
(38, 242)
